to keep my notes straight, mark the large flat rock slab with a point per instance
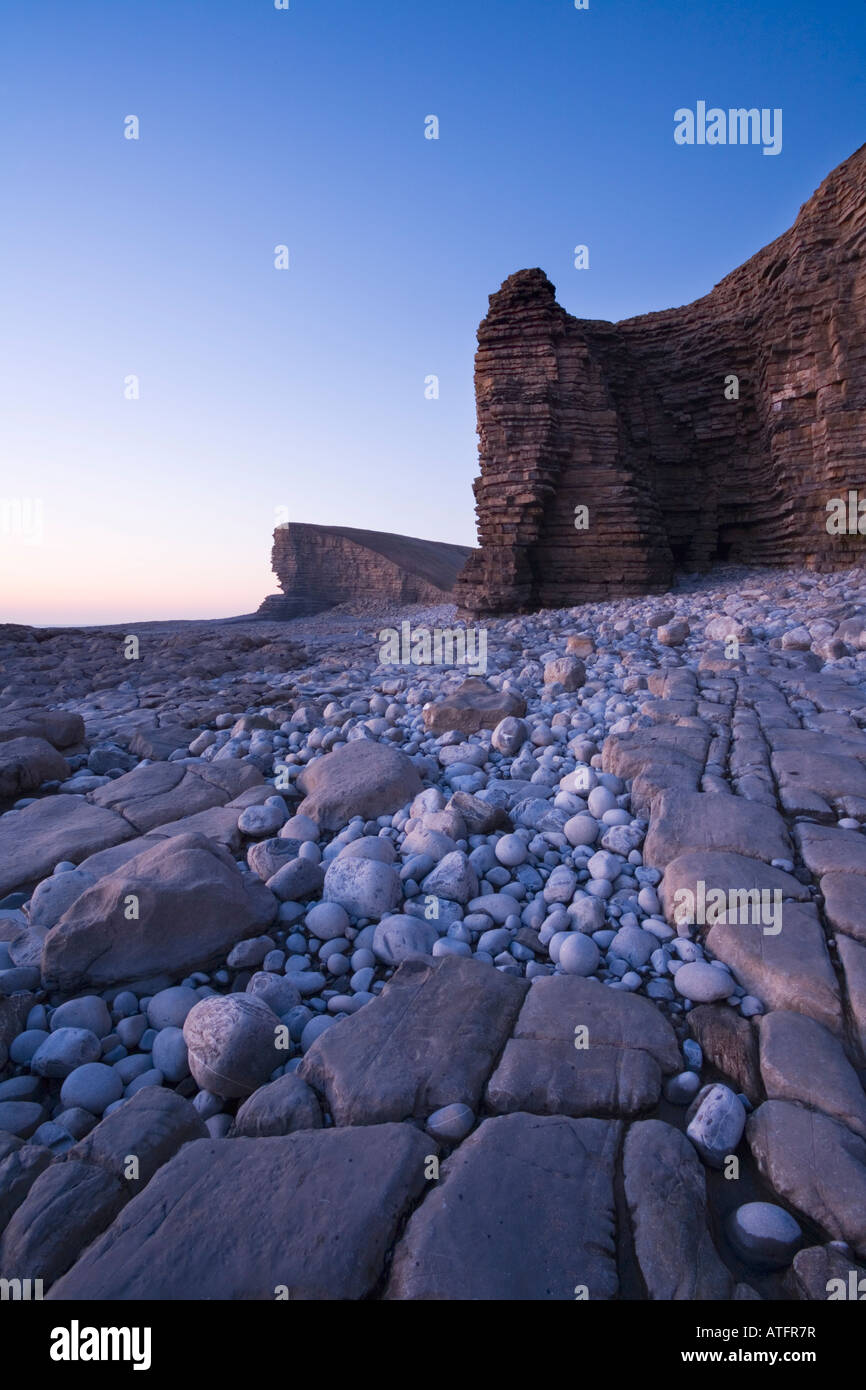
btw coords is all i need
(362, 779)
(192, 905)
(523, 1211)
(850, 744)
(826, 775)
(728, 872)
(684, 822)
(826, 850)
(157, 793)
(660, 758)
(307, 1216)
(802, 1061)
(430, 1039)
(815, 1164)
(36, 838)
(789, 971)
(666, 1191)
(629, 1046)
(845, 904)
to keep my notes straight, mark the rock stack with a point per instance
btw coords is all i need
(642, 423)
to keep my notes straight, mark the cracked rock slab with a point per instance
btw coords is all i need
(307, 1216)
(729, 1042)
(801, 1061)
(852, 958)
(666, 1191)
(815, 1164)
(726, 871)
(522, 1211)
(66, 1208)
(791, 970)
(429, 1040)
(159, 793)
(845, 904)
(700, 821)
(151, 1126)
(826, 850)
(36, 838)
(628, 1046)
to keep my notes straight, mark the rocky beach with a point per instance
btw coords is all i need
(323, 978)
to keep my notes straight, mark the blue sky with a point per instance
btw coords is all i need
(304, 388)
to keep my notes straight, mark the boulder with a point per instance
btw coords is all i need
(232, 1043)
(364, 778)
(729, 1042)
(25, 763)
(152, 1125)
(364, 887)
(281, 1107)
(474, 705)
(66, 1208)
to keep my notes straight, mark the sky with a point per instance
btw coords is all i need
(167, 393)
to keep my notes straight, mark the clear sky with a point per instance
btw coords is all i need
(304, 389)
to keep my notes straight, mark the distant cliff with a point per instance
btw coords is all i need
(320, 566)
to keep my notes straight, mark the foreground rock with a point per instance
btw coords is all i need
(666, 1191)
(25, 763)
(260, 1219)
(542, 1229)
(430, 1040)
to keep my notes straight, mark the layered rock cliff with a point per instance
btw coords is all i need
(640, 423)
(320, 566)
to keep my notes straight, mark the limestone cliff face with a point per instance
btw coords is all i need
(319, 566)
(631, 420)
